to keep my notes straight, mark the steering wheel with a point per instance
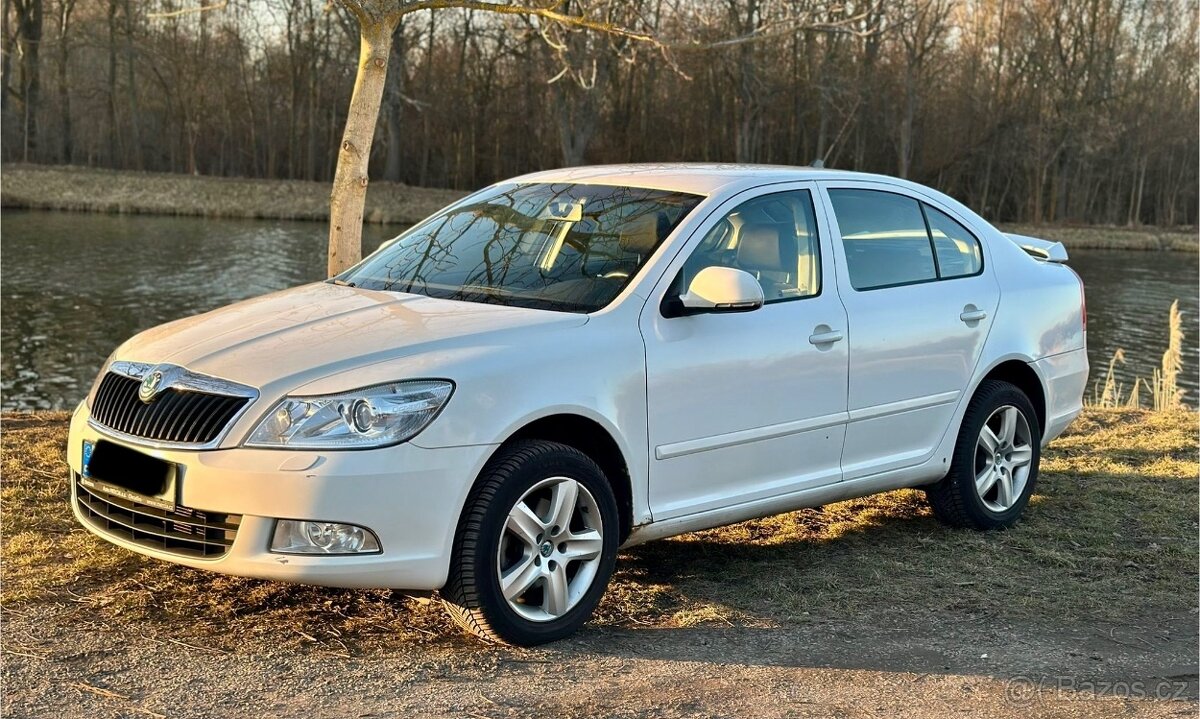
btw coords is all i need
(615, 274)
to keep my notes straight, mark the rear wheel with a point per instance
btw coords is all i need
(536, 545)
(995, 463)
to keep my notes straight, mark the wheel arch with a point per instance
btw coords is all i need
(589, 436)
(1020, 373)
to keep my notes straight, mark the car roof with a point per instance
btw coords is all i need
(694, 177)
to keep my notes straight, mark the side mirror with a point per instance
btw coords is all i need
(720, 289)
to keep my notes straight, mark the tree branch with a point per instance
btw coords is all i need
(549, 12)
(546, 12)
(187, 11)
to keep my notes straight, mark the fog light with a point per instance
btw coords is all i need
(308, 537)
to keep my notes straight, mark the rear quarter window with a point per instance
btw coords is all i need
(958, 251)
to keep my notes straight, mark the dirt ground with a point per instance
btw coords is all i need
(960, 664)
(866, 608)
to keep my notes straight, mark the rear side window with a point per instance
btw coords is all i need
(958, 252)
(885, 238)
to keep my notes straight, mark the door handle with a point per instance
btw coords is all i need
(972, 314)
(825, 338)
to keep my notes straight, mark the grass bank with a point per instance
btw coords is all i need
(81, 189)
(1093, 237)
(1110, 536)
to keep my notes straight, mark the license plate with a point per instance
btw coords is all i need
(122, 472)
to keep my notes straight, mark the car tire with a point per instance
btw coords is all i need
(520, 573)
(993, 473)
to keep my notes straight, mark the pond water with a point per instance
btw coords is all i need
(76, 285)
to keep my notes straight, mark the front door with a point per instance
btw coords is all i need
(746, 406)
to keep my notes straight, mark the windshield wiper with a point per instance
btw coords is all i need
(488, 290)
(343, 283)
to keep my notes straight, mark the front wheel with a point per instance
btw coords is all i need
(995, 463)
(535, 547)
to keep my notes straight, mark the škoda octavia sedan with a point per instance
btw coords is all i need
(573, 361)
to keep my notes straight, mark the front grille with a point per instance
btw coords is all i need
(185, 531)
(176, 415)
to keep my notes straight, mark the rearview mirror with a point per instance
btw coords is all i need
(721, 289)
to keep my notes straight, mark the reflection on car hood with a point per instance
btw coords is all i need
(315, 330)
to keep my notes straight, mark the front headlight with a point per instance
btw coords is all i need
(369, 417)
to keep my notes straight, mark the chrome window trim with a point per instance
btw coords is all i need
(176, 377)
(922, 203)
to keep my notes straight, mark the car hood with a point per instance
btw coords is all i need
(295, 336)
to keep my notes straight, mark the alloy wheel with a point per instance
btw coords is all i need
(1003, 457)
(550, 549)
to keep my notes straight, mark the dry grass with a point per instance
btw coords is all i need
(84, 189)
(1096, 237)
(1111, 535)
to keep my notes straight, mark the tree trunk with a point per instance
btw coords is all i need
(110, 108)
(29, 42)
(134, 111)
(310, 150)
(905, 150)
(427, 95)
(748, 127)
(577, 114)
(574, 135)
(349, 194)
(394, 111)
(66, 148)
(6, 89)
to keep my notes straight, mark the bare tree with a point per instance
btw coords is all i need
(63, 15)
(1030, 110)
(921, 33)
(28, 45)
(377, 20)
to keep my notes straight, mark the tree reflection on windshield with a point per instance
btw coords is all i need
(568, 247)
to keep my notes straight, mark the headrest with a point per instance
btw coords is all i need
(641, 235)
(767, 248)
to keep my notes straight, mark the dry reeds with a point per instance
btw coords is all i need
(1163, 385)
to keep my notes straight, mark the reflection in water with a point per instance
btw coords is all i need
(76, 285)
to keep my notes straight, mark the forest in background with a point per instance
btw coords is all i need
(1028, 110)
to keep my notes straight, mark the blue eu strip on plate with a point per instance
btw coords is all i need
(87, 456)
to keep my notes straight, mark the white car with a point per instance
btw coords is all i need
(573, 361)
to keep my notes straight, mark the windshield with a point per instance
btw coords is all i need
(565, 247)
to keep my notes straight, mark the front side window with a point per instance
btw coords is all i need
(958, 252)
(885, 238)
(773, 237)
(555, 246)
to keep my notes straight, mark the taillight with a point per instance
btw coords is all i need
(1083, 305)
(1082, 298)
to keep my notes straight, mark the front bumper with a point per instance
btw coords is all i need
(409, 496)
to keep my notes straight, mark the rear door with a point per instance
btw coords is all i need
(920, 300)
